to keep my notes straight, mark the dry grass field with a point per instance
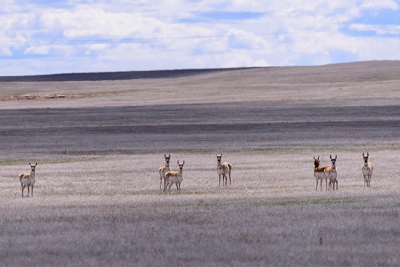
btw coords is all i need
(99, 144)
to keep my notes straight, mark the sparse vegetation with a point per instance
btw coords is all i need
(97, 199)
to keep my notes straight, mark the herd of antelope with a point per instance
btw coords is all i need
(172, 177)
(224, 170)
(329, 173)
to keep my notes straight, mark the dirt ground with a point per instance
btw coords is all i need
(99, 144)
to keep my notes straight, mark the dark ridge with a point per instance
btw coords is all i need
(109, 76)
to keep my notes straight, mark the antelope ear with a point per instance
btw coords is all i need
(36, 164)
(29, 163)
(183, 162)
(165, 155)
(330, 156)
(169, 155)
(178, 161)
(367, 154)
(335, 156)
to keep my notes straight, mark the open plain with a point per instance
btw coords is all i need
(99, 143)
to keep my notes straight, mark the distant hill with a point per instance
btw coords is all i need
(385, 68)
(107, 76)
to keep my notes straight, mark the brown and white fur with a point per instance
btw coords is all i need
(319, 173)
(28, 179)
(164, 169)
(331, 173)
(173, 177)
(223, 169)
(367, 169)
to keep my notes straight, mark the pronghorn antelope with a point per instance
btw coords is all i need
(164, 169)
(28, 179)
(173, 177)
(331, 174)
(367, 170)
(223, 169)
(319, 173)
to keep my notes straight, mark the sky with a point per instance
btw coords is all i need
(52, 36)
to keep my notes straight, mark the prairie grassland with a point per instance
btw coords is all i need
(97, 200)
(108, 210)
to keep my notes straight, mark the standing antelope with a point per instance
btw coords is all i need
(367, 170)
(319, 173)
(28, 179)
(164, 169)
(172, 177)
(331, 174)
(223, 169)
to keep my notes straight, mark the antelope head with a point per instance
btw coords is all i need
(219, 158)
(181, 165)
(365, 157)
(33, 166)
(316, 162)
(167, 158)
(333, 160)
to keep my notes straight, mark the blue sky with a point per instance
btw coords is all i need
(44, 37)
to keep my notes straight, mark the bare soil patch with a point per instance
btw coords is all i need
(38, 97)
(97, 199)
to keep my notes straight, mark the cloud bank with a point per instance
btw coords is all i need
(88, 36)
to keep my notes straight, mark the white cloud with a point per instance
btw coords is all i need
(41, 49)
(378, 48)
(8, 6)
(379, 4)
(379, 29)
(136, 35)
